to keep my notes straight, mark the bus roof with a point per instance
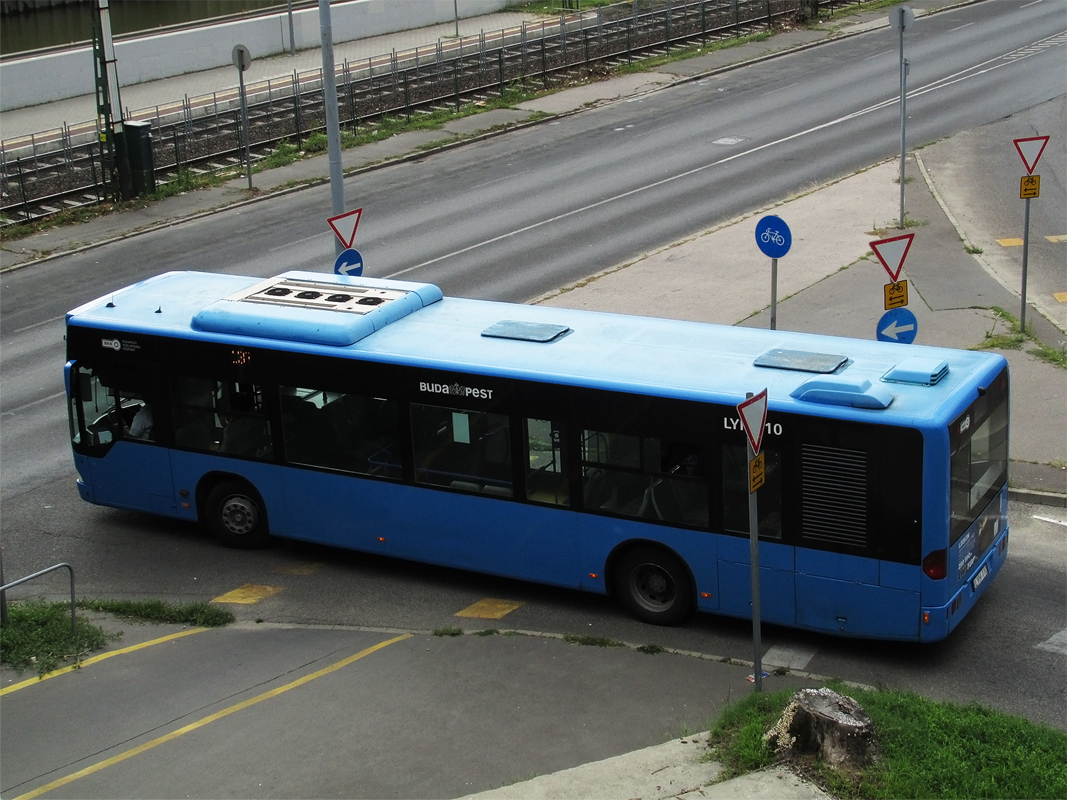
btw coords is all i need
(413, 324)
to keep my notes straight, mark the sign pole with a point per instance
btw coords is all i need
(753, 413)
(774, 294)
(1030, 150)
(1026, 254)
(774, 239)
(242, 59)
(901, 18)
(753, 553)
(903, 117)
(333, 127)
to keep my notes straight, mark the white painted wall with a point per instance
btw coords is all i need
(44, 79)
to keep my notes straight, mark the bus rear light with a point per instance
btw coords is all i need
(935, 565)
(956, 605)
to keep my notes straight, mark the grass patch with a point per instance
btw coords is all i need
(451, 630)
(38, 632)
(487, 632)
(929, 749)
(1010, 337)
(38, 636)
(591, 641)
(651, 649)
(202, 615)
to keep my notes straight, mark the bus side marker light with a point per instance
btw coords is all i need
(926, 618)
(381, 538)
(706, 595)
(593, 575)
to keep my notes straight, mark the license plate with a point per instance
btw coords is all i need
(976, 581)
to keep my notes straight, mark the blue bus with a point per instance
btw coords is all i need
(587, 450)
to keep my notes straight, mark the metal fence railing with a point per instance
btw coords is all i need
(48, 171)
(20, 581)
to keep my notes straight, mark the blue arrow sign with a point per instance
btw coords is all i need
(897, 325)
(350, 262)
(773, 237)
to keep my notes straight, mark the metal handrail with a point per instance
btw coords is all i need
(13, 584)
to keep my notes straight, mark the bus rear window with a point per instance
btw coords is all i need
(979, 455)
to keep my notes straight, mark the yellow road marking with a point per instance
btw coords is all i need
(1057, 239)
(1010, 242)
(1061, 296)
(299, 568)
(489, 609)
(259, 698)
(64, 670)
(248, 594)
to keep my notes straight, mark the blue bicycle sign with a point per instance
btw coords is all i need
(773, 237)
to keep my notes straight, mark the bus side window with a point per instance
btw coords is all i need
(196, 424)
(466, 450)
(246, 430)
(644, 476)
(735, 482)
(348, 432)
(546, 479)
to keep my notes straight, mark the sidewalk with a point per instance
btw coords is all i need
(829, 267)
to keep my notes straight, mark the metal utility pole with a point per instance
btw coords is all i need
(333, 127)
(292, 43)
(901, 18)
(114, 150)
(242, 59)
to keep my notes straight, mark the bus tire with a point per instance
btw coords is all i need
(235, 515)
(654, 586)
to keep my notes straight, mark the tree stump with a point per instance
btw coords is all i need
(823, 722)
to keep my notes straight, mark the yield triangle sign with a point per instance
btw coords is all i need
(892, 252)
(344, 225)
(1030, 150)
(753, 413)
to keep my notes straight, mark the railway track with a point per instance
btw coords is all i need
(46, 175)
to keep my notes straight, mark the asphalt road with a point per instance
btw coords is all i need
(505, 218)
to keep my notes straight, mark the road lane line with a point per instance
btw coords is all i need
(82, 664)
(957, 77)
(259, 698)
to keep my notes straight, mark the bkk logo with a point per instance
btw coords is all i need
(456, 390)
(111, 344)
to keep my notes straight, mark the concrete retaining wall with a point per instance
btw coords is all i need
(44, 79)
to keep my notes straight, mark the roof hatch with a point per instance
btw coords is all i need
(921, 371)
(800, 360)
(311, 308)
(526, 331)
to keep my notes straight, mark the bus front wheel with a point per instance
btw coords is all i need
(654, 586)
(235, 516)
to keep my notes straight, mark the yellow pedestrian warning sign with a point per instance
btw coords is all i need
(757, 472)
(1029, 187)
(896, 295)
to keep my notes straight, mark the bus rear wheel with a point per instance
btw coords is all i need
(654, 586)
(234, 514)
